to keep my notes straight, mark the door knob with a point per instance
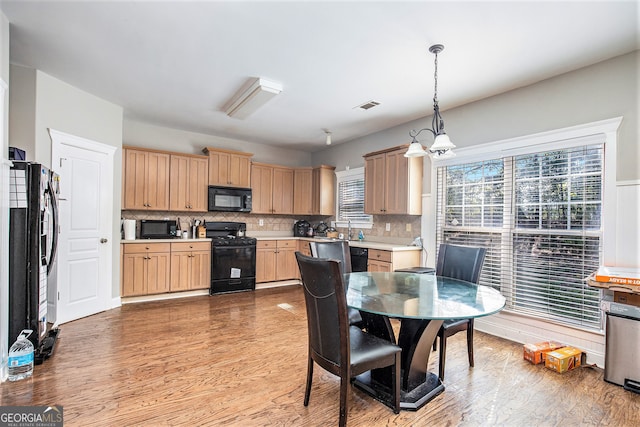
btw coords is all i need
(103, 240)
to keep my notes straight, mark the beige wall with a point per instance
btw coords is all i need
(141, 134)
(601, 91)
(62, 107)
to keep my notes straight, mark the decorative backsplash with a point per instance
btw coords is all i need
(283, 224)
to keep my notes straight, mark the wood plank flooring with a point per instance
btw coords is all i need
(240, 359)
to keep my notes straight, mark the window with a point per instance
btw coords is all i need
(350, 200)
(539, 216)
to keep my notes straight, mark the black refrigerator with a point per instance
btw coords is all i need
(33, 241)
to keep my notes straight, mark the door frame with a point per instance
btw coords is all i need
(58, 139)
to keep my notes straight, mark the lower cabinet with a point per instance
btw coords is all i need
(276, 260)
(145, 269)
(387, 261)
(190, 266)
(154, 268)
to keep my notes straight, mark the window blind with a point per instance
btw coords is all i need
(351, 200)
(539, 216)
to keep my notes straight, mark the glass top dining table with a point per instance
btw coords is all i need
(421, 302)
(420, 296)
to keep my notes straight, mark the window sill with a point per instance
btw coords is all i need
(345, 224)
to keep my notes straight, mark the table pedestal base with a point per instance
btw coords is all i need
(409, 400)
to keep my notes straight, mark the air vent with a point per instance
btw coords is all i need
(368, 105)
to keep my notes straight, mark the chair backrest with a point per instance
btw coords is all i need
(338, 249)
(326, 302)
(460, 262)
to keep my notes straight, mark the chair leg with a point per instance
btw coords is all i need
(345, 386)
(470, 341)
(441, 356)
(307, 391)
(396, 384)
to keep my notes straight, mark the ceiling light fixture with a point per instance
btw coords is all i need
(328, 141)
(442, 145)
(252, 96)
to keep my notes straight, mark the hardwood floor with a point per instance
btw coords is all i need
(240, 359)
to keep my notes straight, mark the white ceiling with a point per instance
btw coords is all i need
(177, 63)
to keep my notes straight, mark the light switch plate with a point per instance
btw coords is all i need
(387, 227)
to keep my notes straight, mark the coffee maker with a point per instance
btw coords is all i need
(301, 228)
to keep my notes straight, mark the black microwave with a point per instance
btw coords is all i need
(158, 229)
(227, 199)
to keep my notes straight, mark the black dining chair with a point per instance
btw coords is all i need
(343, 350)
(339, 250)
(462, 263)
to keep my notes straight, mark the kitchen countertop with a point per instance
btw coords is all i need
(176, 240)
(369, 244)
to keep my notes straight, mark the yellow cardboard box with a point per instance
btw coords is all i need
(563, 359)
(535, 353)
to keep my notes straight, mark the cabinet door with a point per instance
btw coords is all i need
(180, 271)
(261, 184)
(287, 266)
(179, 183)
(374, 184)
(134, 179)
(200, 270)
(303, 192)
(134, 275)
(282, 190)
(324, 190)
(266, 261)
(198, 184)
(158, 279)
(396, 173)
(379, 266)
(240, 171)
(157, 181)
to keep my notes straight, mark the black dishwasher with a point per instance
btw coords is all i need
(359, 257)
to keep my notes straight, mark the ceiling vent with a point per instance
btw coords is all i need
(368, 105)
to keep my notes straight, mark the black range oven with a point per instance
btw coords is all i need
(233, 257)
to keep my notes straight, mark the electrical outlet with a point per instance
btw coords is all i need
(408, 228)
(387, 227)
(261, 222)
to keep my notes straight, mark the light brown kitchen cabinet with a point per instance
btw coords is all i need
(303, 191)
(145, 269)
(190, 266)
(188, 183)
(276, 260)
(393, 183)
(229, 168)
(146, 179)
(387, 261)
(272, 189)
(324, 190)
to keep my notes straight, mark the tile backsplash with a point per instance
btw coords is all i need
(402, 228)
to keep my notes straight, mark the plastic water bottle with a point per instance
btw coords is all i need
(21, 357)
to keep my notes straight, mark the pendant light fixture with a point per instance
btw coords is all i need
(328, 139)
(442, 145)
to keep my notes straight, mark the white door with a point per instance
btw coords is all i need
(86, 217)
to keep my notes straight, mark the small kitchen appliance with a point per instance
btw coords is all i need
(158, 229)
(301, 228)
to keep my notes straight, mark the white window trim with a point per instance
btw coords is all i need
(518, 327)
(345, 175)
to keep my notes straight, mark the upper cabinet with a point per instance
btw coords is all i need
(188, 183)
(393, 183)
(146, 179)
(272, 189)
(314, 191)
(229, 168)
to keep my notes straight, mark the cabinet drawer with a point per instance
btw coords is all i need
(190, 246)
(266, 244)
(287, 244)
(140, 248)
(379, 255)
